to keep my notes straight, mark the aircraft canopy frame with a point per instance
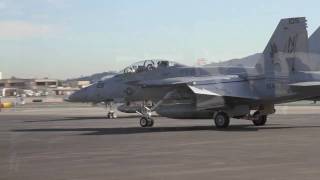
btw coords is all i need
(149, 65)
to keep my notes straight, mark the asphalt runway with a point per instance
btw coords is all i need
(79, 143)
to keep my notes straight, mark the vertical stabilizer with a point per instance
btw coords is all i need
(287, 49)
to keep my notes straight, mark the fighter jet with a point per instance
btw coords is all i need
(284, 73)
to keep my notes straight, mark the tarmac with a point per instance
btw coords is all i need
(65, 143)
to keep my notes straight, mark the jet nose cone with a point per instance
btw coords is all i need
(69, 98)
(66, 99)
(74, 97)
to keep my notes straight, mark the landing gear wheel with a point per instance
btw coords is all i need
(144, 122)
(259, 120)
(111, 115)
(222, 120)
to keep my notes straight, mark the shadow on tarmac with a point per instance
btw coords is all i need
(83, 118)
(139, 130)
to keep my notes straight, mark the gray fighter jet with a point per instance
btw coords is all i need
(284, 73)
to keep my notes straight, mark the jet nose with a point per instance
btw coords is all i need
(66, 99)
(70, 98)
(75, 97)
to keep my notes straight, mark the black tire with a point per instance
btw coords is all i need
(222, 120)
(144, 122)
(150, 122)
(108, 116)
(259, 120)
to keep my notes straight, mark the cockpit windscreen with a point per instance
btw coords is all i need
(149, 65)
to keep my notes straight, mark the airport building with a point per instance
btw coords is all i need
(63, 91)
(14, 86)
(78, 84)
(45, 83)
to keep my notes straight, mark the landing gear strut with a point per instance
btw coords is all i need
(111, 113)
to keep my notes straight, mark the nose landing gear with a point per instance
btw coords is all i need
(111, 115)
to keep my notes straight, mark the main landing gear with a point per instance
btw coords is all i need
(146, 120)
(146, 112)
(221, 120)
(111, 113)
(259, 119)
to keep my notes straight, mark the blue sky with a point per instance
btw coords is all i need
(69, 38)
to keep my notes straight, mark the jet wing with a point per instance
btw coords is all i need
(202, 91)
(210, 92)
(309, 86)
(217, 95)
(232, 90)
(306, 84)
(168, 82)
(226, 85)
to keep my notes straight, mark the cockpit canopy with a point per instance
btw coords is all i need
(149, 65)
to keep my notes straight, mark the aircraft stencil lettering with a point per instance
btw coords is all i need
(294, 20)
(292, 44)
